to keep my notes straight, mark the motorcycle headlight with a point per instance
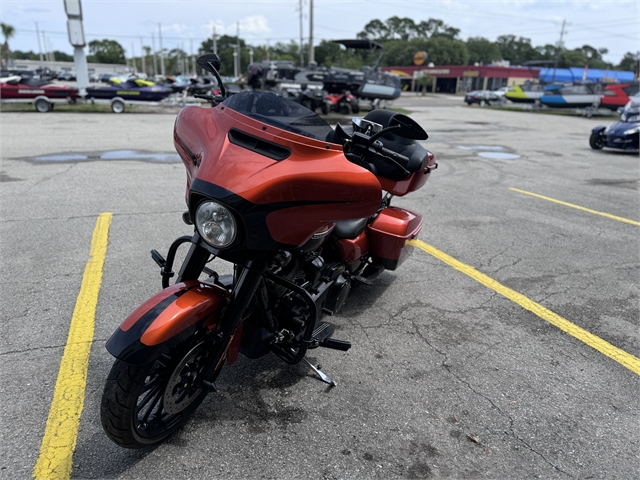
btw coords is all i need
(633, 130)
(216, 224)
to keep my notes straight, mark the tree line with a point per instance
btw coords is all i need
(400, 37)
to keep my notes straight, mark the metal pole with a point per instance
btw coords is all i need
(301, 54)
(161, 52)
(312, 56)
(155, 56)
(237, 69)
(133, 59)
(142, 55)
(39, 44)
(555, 66)
(215, 41)
(44, 44)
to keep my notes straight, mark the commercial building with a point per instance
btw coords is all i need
(464, 78)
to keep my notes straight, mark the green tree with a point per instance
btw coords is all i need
(516, 50)
(8, 32)
(482, 51)
(20, 55)
(106, 51)
(396, 28)
(447, 51)
(629, 62)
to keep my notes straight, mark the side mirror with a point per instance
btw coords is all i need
(407, 127)
(210, 62)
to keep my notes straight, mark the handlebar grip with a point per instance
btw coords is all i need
(401, 159)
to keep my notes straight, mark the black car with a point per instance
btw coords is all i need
(623, 134)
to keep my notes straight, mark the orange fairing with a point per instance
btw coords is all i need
(315, 173)
(191, 307)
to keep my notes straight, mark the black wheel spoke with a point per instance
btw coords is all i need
(152, 393)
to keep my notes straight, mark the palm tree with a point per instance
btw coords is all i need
(8, 31)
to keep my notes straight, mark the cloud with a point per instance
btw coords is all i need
(253, 25)
(175, 28)
(256, 24)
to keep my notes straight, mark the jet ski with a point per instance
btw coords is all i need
(41, 92)
(131, 88)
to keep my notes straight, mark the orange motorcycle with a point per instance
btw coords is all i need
(299, 210)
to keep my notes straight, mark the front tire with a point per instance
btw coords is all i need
(143, 404)
(596, 141)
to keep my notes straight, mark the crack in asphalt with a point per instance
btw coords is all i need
(480, 394)
(46, 347)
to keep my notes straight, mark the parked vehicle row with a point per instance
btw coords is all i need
(583, 95)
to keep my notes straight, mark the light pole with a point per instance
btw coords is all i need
(73, 9)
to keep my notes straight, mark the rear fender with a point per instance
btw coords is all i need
(173, 313)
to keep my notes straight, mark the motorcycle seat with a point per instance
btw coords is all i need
(350, 228)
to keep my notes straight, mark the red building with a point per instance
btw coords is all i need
(464, 78)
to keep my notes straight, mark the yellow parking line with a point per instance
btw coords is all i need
(625, 359)
(595, 212)
(59, 441)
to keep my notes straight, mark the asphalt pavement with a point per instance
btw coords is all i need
(448, 377)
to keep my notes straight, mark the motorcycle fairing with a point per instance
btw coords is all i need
(282, 203)
(170, 314)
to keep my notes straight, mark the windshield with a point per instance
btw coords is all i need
(282, 113)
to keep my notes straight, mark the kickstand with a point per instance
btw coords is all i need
(322, 376)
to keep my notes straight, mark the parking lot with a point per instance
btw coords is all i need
(506, 347)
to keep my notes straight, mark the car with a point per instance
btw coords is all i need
(482, 97)
(622, 135)
(67, 76)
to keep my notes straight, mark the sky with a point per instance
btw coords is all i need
(610, 24)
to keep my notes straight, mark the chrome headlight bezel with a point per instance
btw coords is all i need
(216, 224)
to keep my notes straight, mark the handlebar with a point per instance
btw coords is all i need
(365, 147)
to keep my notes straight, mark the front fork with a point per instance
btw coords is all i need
(244, 288)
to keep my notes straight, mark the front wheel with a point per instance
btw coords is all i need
(142, 405)
(596, 141)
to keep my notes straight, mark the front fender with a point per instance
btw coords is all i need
(598, 129)
(172, 313)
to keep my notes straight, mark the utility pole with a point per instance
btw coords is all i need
(39, 44)
(133, 59)
(558, 50)
(155, 57)
(301, 54)
(312, 56)
(237, 68)
(192, 69)
(161, 52)
(215, 41)
(142, 55)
